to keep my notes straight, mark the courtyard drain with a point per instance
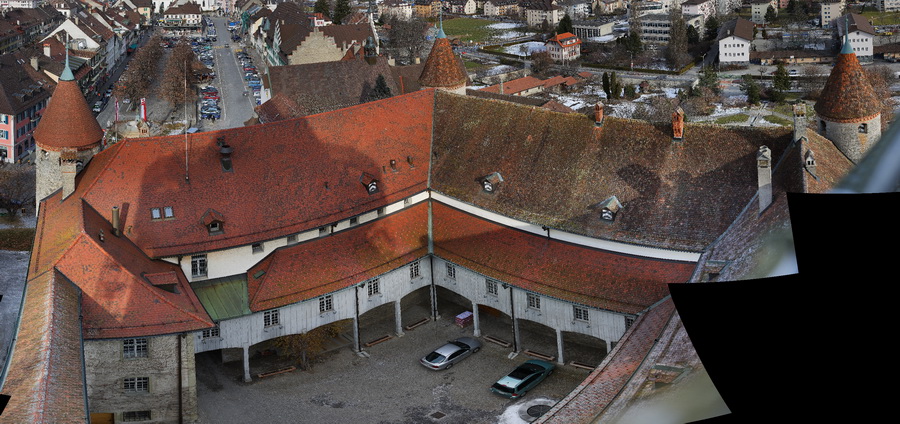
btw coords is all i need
(537, 410)
(437, 415)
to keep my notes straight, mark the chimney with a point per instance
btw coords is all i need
(47, 49)
(678, 124)
(392, 62)
(501, 84)
(115, 221)
(393, 165)
(68, 168)
(598, 114)
(34, 63)
(418, 60)
(764, 177)
(799, 120)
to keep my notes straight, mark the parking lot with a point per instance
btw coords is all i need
(388, 386)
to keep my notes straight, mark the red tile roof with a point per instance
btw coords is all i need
(45, 377)
(68, 121)
(324, 265)
(848, 96)
(592, 277)
(442, 68)
(319, 157)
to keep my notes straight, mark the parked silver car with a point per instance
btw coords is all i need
(454, 351)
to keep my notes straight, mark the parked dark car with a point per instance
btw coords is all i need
(454, 351)
(522, 379)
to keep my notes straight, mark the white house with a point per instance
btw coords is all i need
(536, 13)
(830, 10)
(401, 9)
(734, 42)
(888, 5)
(502, 8)
(860, 34)
(759, 9)
(564, 47)
(703, 8)
(462, 7)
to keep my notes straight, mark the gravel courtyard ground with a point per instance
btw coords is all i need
(389, 386)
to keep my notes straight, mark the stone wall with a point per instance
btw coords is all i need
(848, 138)
(106, 368)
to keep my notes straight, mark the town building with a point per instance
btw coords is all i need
(400, 9)
(564, 47)
(703, 8)
(183, 20)
(654, 28)
(888, 5)
(831, 10)
(859, 32)
(608, 7)
(23, 97)
(502, 8)
(462, 7)
(759, 8)
(735, 38)
(538, 12)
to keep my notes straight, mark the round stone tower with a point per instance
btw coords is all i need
(67, 137)
(848, 112)
(443, 70)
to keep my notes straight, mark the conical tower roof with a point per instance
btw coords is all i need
(68, 121)
(848, 96)
(442, 68)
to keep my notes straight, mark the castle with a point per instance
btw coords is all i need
(574, 222)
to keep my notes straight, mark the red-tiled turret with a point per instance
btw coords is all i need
(442, 68)
(848, 96)
(68, 121)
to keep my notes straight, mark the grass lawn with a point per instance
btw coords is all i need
(785, 109)
(471, 29)
(16, 238)
(882, 18)
(733, 119)
(778, 120)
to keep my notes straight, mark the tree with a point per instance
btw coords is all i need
(541, 63)
(770, 15)
(711, 28)
(323, 7)
(565, 25)
(606, 87)
(306, 347)
(676, 52)
(179, 76)
(17, 187)
(751, 87)
(407, 37)
(693, 37)
(632, 43)
(709, 79)
(381, 89)
(341, 10)
(615, 86)
(781, 83)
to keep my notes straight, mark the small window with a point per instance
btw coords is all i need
(374, 286)
(414, 270)
(137, 384)
(380, 211)
(132, 416)
(271, 318)
(323, 231)
(210, 333)
(134, 348)
(257, 247)
(215, 227)
(291, 239)
(354, 221)
(168, 212)
(155, 213)
(492, 287)
(198, 266)
(863, 128)
(581, 314)
(534, 302)
(326, 303)
(407, 201)
(451, 271)
(628, 322)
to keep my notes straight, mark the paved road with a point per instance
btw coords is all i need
(236, 108)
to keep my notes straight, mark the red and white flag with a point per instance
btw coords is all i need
(144, 109)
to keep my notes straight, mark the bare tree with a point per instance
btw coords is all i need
(179, 74)
(407, 37)
(17, 187)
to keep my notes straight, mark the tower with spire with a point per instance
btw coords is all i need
(67, 137)
(443, 70)
(848, 112)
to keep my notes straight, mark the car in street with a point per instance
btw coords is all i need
(98, 106)
(792, 72)
(522, 379)
(454, 351)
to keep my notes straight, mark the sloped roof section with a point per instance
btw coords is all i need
(308, 270)
(44, 378)
(602, 279)
(68, 121)
(675, 195)
(310, 168)
(848, 96)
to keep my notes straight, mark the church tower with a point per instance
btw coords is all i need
(443, 70)
(67, 137)
(848, 111)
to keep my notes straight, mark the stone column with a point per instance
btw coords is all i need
(475, 322)
(518, 342)
(559, 347)
(247, 378)
(397, 319)
(356, 344)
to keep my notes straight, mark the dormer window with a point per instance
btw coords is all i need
(489, 183)
(609, 208)
(214, 222)
(214, 227)
(369, 182)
